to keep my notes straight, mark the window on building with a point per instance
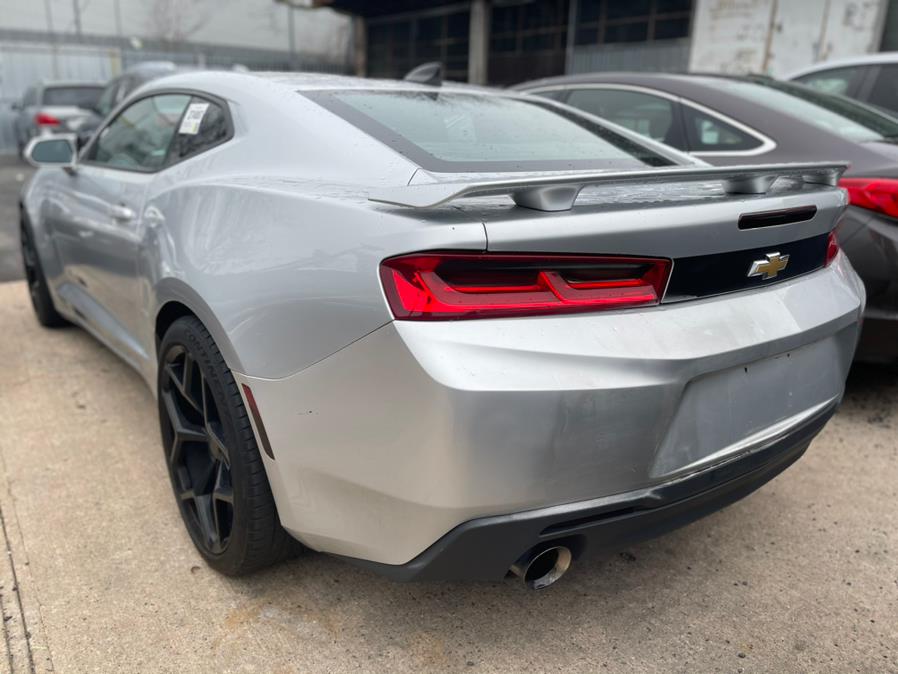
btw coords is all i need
(528, 27)
(396, 45)
(613, 21)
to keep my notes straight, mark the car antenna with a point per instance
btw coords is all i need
(427, 73)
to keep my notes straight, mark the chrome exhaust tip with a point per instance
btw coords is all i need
(539, 569)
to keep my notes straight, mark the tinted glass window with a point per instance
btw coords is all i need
(138, 138)
(836, 114)
(80, 97)
(706, 133)
(885, 90)
(205, 124)
(30, 97)
(835, 81)
(643, 113)
(108, 98)
(454, 131)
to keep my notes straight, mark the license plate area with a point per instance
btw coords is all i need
(729, 412)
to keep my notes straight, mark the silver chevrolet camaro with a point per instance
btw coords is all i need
(440, 331)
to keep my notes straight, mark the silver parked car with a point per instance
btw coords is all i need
(440, 331)
(49, 108)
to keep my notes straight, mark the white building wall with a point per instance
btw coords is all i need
(779, 36)
(241, 23)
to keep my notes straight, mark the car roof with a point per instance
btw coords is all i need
(866, 59)
(659, 80)
(272, 83)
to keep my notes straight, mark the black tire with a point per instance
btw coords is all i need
(37, 283)
(216, 471)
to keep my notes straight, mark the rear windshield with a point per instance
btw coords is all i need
(457, 132)
(79, 97)
(839, 115)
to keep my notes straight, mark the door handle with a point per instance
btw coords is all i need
(121, 213)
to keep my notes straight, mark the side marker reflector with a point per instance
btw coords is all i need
(257, 420)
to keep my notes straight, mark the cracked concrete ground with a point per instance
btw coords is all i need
(800, 576)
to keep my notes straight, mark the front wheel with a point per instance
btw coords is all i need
(216, 471)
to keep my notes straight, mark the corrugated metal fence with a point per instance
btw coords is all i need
(666, 56)
(24, 63)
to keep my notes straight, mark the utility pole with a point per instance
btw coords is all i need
(118, 19)
(478, 42)
(76, 9)
(292, 35)
(49, 12)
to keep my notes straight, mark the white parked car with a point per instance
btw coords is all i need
(872, 78)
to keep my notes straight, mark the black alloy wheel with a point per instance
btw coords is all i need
(198, 458)
(216, 471)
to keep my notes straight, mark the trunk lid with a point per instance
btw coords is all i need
(713, 222)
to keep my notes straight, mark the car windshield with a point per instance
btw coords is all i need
(79, 97)
(842, 116)
(457, 131)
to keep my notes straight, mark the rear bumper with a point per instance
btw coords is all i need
(485, 548)
(384, 447)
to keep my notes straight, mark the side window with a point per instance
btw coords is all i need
(649, 115)
(30, 97)
(139, 137)
(205, 124)
(842, 81)
(705, 133)
(885, 90)
(128, 84)
(108, 99)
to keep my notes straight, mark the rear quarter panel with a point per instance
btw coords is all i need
(287, 268)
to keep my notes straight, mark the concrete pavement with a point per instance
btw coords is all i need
(13, 174)
(800, 577)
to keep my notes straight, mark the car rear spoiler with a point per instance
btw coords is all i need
(559, 192)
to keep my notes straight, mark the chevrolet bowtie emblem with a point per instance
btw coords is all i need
(770, 267)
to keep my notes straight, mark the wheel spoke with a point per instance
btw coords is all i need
(182, 430)
(216, 444)
(204, 482)
(206, 517)
(222, 491)
(183, 381)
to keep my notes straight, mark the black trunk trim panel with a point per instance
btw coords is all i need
(706, 275)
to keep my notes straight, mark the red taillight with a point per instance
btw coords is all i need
(832, 249)
(441, 286)
(43, 119)
(878, 194)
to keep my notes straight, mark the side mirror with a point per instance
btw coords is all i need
(51, 151)
(15, 106)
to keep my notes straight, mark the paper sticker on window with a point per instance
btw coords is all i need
(190, 125)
